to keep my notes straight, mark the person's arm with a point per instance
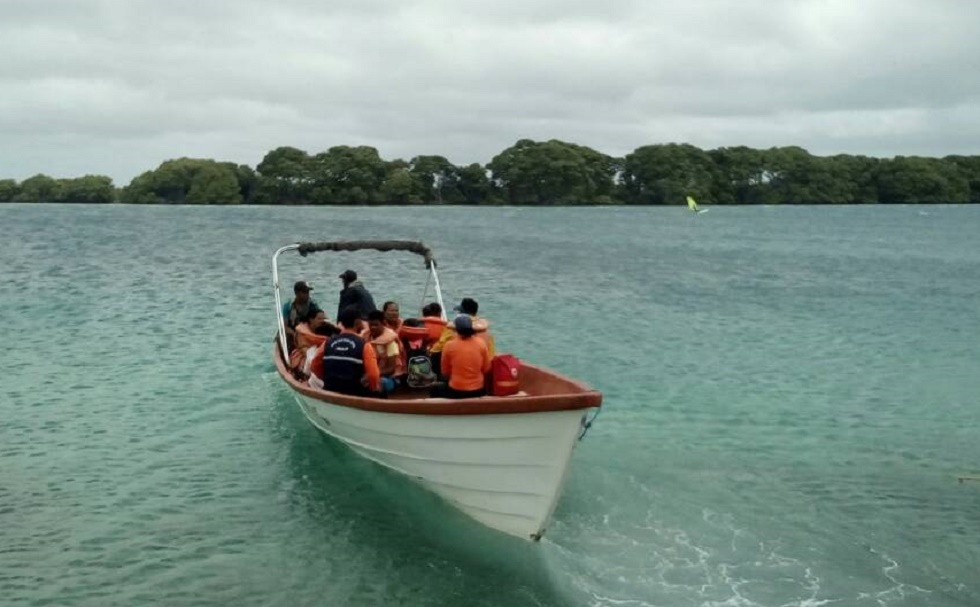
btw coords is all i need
(446, 362)
(285, 319)
(371, 371)
(316, 366)
(487, 360)
(447, 334)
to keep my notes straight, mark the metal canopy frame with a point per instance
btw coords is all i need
(306, 248)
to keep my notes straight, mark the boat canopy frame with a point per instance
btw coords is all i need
(306, 248)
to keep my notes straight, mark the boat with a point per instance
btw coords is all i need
(501, 460)
(693, 206)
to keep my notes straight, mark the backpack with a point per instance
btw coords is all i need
(419, 366)
(505, 372)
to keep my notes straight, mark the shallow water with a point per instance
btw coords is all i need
(790, 395)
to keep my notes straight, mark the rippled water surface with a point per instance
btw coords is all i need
(790, 396)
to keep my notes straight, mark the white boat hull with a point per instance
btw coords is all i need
(504, 470)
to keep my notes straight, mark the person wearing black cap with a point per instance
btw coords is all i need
(355, 294)
(300, 309)
(467, 307)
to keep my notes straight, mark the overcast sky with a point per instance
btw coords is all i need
(117, 86)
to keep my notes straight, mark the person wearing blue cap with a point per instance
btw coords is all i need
(467, 307)
(465, 362)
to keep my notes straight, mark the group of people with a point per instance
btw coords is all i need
(372, 352)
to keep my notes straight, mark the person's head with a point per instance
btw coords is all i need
(432, 309)
(302, 291)
(348, 277)
(464, 326)
(390, 312)
(318, 320)
(376, 323)
(349, 318)
(468, 306)
(327, 329)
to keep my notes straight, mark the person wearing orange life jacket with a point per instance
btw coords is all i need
(392, 319)
(467, 307)
(465, 362)
(308, 336)
(432, 317)
(387, 349)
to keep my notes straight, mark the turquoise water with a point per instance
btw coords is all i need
(790, 395)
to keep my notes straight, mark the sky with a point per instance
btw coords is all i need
(115, 87)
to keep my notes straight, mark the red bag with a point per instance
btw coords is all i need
(505, 370)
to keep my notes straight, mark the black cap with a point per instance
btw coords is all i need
(348, 276)
(302, 287)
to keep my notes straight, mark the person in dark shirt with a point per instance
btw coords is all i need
(301, 309)
(355, 294)
(349, 365)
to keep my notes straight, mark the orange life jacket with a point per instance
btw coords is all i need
(380, 345)
(434, 325)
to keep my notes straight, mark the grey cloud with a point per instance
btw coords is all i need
(151, 80)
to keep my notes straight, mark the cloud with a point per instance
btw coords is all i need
(117, 86)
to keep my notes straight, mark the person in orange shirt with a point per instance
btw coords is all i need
(468, 307)
(465, 362)
(349, 364)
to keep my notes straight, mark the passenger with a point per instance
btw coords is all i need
(387, 349)
(322, 326)
(392, 320)
(434, 322)
(465, 362)
(308, 335)
(355, 294)
(467, 307)
(349, 365)
(419, 370)
(300, 309)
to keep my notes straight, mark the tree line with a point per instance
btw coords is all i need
(540, 173)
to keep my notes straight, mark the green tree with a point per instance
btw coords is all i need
(665, 174)
(39, 188)
(968, 168)
(740, 176)
(88, 189)
(857, 176)
(214, 184)
(439, 179)
(186, 180)
(8, 190)
(912, 179)
(285, 176)
(401, 187)
(248, 181)
(475, 186)
(552, 172)
(351, 175)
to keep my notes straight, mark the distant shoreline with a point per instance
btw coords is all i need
(485, 206)
(530, 173)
